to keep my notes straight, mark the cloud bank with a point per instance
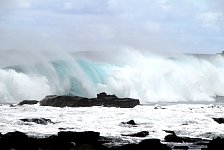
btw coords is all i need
(74, 25)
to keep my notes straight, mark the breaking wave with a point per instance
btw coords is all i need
(149, 78)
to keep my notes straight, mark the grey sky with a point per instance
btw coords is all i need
(148, 25)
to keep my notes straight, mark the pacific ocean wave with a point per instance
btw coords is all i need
(149, 78)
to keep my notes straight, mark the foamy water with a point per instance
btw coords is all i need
(192, 120)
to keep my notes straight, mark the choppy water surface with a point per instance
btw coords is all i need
(193, 120)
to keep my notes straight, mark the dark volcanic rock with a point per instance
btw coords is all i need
(104, 95)
(148, 144)
(14, 140)
(86, 137)
(173, 138)
(102, 100)
(70, 141)
(181, 147)
(62, 141)
(29, 102)
(193, 140)
(90, 140)
(38, 120)
(130, 122)
(153, 144)
(219, 120)
(176, 142)
(216, 144)
(139, 134)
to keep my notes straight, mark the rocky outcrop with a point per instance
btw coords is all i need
(13, 140)
(130, 122)
(28, 102)
(102, 100)
(219, 120)
(88, 140)
(42, 121)
(174, 138)
(216, 144)
(177, 142)
(62, 141)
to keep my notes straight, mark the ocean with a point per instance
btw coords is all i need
(176, 92)
(151, 78)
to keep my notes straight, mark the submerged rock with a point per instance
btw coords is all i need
(42, 121)
(28, 102)
(102, 100)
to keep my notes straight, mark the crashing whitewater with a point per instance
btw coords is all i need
(151, 78)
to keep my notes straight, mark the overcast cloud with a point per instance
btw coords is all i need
(148, 25)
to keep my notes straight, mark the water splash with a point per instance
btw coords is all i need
(150, 78)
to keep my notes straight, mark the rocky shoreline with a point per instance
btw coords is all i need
(90, 140)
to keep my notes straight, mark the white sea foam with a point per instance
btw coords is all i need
(185, 119)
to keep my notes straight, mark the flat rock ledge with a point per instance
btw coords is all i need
(102, 99)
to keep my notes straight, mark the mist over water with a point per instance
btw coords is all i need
(151, 78)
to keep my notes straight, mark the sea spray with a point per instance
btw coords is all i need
(168, 79)
(151, 78)
(16, 86)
